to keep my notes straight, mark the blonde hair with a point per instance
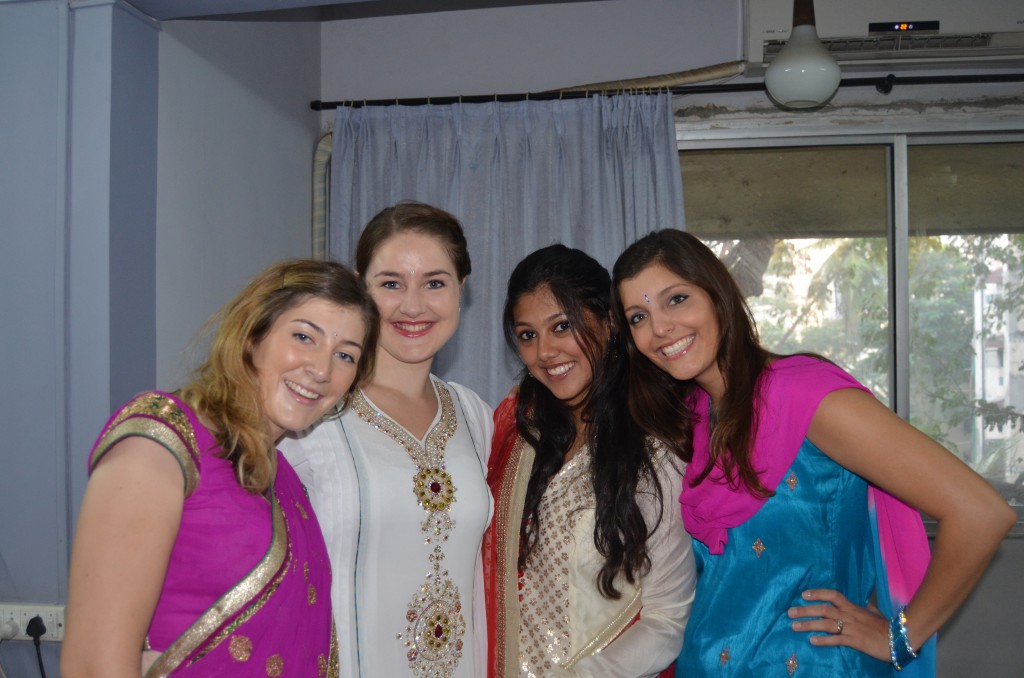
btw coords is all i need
(224, 390)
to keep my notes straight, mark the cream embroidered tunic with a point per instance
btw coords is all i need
(403, 530)
(566, 622)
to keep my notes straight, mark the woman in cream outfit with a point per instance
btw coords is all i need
(398, 482)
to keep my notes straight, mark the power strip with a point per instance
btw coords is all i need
(19, 614)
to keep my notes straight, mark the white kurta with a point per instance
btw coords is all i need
(408, 586)
(565, 621)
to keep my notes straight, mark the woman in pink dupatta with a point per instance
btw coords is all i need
(802, 491)
(197, 552)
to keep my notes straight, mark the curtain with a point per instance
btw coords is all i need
(593, 173)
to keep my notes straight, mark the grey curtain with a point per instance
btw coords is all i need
(591, 173)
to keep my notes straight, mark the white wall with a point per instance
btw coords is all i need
(33, 500)
(524, 49)
(235, 151)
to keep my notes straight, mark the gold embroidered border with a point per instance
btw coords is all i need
(508, 516)
(266, 577)
(157, 417)
(611, 631)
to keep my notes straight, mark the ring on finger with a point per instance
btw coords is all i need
(839, 626)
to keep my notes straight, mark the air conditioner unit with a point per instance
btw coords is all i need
(878, 34)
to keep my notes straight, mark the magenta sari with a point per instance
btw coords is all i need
(248, 583)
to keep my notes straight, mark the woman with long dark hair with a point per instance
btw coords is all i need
(588, 568)
(801, 491)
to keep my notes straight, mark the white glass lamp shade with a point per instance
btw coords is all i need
(804, 74)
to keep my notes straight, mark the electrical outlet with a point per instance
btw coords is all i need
(21, 613)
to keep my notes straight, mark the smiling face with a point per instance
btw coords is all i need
(306, 362)
(549, 349)
(413, 280)
(674, 324)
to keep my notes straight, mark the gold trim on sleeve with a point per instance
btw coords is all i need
(157, 417)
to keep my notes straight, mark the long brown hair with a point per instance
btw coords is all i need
(225, 389)
(660, 403)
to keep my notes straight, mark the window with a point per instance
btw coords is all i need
(899, 256)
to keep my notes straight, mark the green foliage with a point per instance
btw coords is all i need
(844, 314)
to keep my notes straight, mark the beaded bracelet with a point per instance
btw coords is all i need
(900, 650)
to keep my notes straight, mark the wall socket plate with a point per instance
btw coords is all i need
(21, 613)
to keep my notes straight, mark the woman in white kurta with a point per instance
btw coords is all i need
(398, 482)
(588, 570)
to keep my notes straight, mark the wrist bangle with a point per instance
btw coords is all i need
(900, 650)
(902, 616)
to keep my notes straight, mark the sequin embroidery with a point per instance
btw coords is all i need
(435, 625)
(791, 481)
(544, 638)
(275, 666)
(759, 547)
(240, 648)
(791, 664)
(723, 657)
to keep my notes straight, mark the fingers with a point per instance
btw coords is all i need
(827, 595)
(831, 620)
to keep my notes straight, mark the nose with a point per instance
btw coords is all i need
(546, 348)
(412, 302)
(319, 366)
(662, 325)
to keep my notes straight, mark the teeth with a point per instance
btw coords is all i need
(560, 369)
(413, 327)
(677, 347)
(312, 395)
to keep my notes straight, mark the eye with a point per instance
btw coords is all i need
(677, 299)
(526, 335)
(346, 357)
(435, 284)
(562, 326)
(302, 337)
(390, 284)
(636, 318)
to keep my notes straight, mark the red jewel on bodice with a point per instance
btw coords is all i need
(438, 631)
(435, 487)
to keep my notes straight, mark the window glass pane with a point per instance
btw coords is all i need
(804, 232)
(967, 304)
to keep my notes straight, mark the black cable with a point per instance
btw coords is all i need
(35, 630)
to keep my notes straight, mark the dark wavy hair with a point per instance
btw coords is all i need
(659, 402)
(621, 460)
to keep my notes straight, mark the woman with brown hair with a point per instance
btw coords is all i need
(398, 481)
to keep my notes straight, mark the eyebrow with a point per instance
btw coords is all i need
(550, 318)
(319, 330)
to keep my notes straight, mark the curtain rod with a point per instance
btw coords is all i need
(883, 84)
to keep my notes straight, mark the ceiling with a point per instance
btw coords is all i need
(312, 10)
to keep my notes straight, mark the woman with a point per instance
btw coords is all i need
(588, 565)
(197, 552)
(398, 481)
(797, 487)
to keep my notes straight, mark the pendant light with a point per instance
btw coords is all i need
(804, 74)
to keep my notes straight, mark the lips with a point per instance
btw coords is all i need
(677, 348)
(300, 390)
(412, 329)
(559, 370)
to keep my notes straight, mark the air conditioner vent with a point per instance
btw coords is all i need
(909, 46)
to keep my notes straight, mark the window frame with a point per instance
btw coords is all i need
(897, 133)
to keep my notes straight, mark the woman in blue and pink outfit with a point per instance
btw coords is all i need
(802, 490)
